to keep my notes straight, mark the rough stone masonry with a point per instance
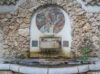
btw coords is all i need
(16, 25)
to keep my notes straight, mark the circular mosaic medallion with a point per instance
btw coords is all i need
(50, 20)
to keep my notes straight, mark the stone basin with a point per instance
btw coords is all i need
(47, 62)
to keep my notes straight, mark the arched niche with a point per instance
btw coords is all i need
(43, 28)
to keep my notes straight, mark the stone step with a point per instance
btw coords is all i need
(54, 70)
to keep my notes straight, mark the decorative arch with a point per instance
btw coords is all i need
(64, 34)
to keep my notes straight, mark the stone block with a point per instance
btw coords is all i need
(32, 70)
(66, 70)
(4, 66)
(94, 66)
(83, 68)
(14, 68)
(26, 21)
(6, 72)
(23, 32)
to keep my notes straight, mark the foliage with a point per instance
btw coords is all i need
(85, 58)
(86, 50)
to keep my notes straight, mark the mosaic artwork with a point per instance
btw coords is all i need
(50, 20)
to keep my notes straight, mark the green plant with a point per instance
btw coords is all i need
(85, 58)
(85, 51)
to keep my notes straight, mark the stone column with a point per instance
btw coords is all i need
(1, 44)
(99, 42)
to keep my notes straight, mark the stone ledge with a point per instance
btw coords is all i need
(83, 68)
(66, 70)
(4, 66)
(94, 66)
(14, 67)
(38, 70)
(32, 70)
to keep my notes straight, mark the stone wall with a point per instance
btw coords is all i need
(16, 27)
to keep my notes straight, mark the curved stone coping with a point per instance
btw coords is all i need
(89, 8)
(41, 70)
(10, 8)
